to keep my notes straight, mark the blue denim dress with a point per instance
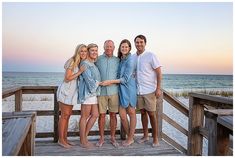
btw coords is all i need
(127, 86)
(88, 82)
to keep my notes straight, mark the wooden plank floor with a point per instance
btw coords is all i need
(48, 148)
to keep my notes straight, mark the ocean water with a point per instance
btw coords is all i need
(171, 82)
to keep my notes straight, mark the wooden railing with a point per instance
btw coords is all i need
(212, 107)
(52, 90)
(181, 108)
(194, 118)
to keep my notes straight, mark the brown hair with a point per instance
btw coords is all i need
(141, 37)
(119, 48)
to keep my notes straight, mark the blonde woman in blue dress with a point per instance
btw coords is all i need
(67, 93)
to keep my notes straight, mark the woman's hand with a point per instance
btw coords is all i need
(82, 68)
(106, 83)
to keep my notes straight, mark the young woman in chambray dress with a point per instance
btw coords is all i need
(67, 92)
(127, 90)
(87, 95)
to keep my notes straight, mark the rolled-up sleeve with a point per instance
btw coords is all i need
(91, 83)
(128, 71)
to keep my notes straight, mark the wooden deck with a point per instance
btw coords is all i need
(48, 148)
(217, 128)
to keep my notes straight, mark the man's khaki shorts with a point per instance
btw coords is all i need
(110, 103)
(149, 101)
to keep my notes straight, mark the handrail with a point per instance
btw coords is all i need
(217, 99)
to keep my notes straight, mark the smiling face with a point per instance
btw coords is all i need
(125, 49)
(93, 53)
(83, 53)
(109, 48)
(140, 45)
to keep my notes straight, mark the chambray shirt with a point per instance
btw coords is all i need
(108, 67)
(127, 87)
(89, 82)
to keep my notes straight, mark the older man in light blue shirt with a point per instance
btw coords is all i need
(108, 99)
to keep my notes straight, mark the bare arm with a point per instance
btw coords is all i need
(159, 80)
(109, 82)
(69, 76)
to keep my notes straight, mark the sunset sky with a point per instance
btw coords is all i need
(188, 38)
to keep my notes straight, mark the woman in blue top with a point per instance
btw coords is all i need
(88, 90)
(127, 90)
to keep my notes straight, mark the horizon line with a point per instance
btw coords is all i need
(162, 73)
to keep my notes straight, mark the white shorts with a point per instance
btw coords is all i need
(91, 100)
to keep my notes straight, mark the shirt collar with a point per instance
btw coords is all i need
(106, 55)
(124, 58)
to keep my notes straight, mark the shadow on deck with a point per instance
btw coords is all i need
(53, 149)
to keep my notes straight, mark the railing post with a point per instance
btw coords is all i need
(18, 100)
(196, 116)
(159, 116)
(56, 117)
(211, 120)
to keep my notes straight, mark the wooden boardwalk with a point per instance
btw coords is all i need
(209, 117)
(48, 148)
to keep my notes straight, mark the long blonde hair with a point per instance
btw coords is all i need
(75, 59)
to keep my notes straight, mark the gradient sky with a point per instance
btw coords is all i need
(186, 37)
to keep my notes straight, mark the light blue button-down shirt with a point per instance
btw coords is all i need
(108, 67)
(127, 87)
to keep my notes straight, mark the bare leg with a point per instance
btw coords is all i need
(132, 115)
(63, 123)
(153, 121)
(85, 113)
(113, 126)
(101, 123)
(123, 117)
(144, 120)
(66, 128)
(92, 119)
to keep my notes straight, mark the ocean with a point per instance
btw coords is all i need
(171, 82)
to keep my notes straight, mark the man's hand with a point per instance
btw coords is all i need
(158, 92)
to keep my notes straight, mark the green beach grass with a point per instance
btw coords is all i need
(209, 92)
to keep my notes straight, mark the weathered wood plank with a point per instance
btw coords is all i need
(18, 100)
(159, 113)
(18, 133)
(226, 121)
(211, 120)
(14, 133)
(212, 98)
(145, 149)
(196, 116)
(39, 87)
(56, 117)
(174, 124)
(221, 112)
(174, 143)
(9, 92)
(175, 103)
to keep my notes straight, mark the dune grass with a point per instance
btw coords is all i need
(209, 92)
